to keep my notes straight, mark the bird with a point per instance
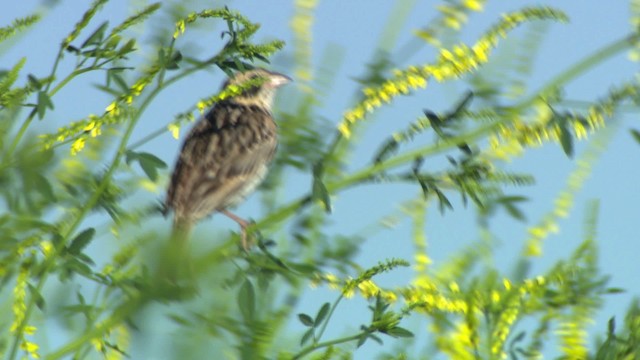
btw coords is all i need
(226, 154)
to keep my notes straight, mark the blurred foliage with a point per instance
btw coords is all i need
(65, 193)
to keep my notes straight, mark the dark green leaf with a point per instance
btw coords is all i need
(322, 313)
(43, 186)
(35, 83)
(76, 266)
(128, 47)
(81, 241)
(122, 84)
(376, 339)
(305, 319)
(614, 290)
(39, 300)
(96, 37)
(149, 170)
(152, 159)
(82, 309)
(361, 340)
(107, 89)
(307, 269)
(399, 332)
(72, 49)
(636, 135)
(44, 102)
(611, 327)
(319, 190)
(172, 63)
(514, 212)
(247, 301)
(443, 202)
(305, 338)
(150, 164)
(129, 156)
(566, 140)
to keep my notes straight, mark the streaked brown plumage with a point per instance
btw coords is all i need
(225, 156)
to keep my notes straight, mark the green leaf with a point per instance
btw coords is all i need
(399, 332)
(305, 338)
(81, 241)
(611, 331)
(319, 190)
(376, 339)
(443, 202)
(636, 135)
(247, 301)
(566, 140)
(362, 339)
(37, 297)
(43, 186)
(44, 102)
(172, 64)
(96, 37)
(305, 319)
(614, 290)
(120, 82)
(35, 83)
(128, 47)
(148, 162)
(322, 313)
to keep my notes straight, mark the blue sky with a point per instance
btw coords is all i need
(355, 26)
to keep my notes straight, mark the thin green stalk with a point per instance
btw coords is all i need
(590, 61)
(314, 347)
(326, 321)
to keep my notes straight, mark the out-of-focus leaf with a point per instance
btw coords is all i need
(305, 319)
(305, 338)
(322, 313)
(81, 241)
(247, 301)
(636, 135)
(96, 37)
(39, 300)
(44, 102)
(399, 332)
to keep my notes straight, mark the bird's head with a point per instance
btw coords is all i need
(262, 93)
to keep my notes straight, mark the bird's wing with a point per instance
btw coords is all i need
(221, 154)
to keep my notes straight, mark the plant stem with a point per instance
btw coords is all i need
(314, 347)
(582, 66)
(326, 321)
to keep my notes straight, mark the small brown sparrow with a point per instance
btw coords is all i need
(226, 154)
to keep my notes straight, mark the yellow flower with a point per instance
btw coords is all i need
(175, 130)
(77, 145)
(475, 5)
(368, 289)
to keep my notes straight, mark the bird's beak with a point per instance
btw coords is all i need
(276, 80)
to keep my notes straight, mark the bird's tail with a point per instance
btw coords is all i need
(174, 264)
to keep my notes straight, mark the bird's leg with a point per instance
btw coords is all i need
(243, 227)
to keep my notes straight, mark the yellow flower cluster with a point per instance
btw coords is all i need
(511, 139)
(301, 24)
(459, 344)
(426, 295)
(122, 342)
(451, 64)
(181, 24)
(573, 340)
(19, 312)
(368, 289)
